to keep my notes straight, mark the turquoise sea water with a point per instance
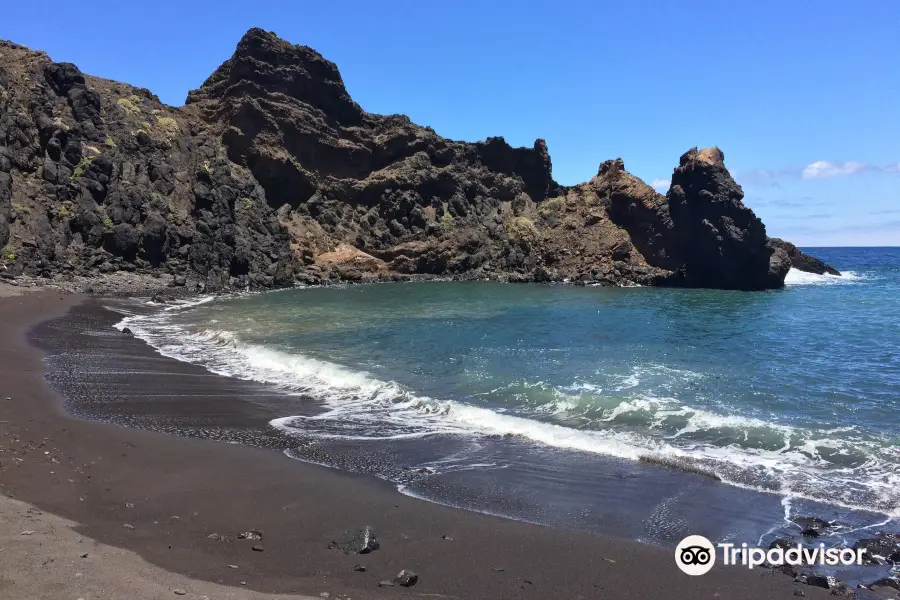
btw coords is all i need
(793, 392)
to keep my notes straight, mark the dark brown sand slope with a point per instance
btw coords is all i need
(108, 476)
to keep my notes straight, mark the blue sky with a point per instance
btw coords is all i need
(802, 97)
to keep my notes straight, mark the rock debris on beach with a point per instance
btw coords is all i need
(253, 534)
(406, 578)
(812, 526)
(881, 549)
(782, 543)
(356, 541)
(886, 582)
(817, 580)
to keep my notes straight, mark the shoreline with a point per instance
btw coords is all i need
(123, 285)
(300, 507)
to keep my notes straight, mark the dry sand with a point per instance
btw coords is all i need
(42, 556)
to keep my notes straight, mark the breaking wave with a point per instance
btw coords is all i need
(837, 466)
(798, 277)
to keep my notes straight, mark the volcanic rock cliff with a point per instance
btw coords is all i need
(271, 174)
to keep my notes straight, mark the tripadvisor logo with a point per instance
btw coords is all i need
(696, 555)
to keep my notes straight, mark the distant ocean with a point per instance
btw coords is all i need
(555, 403)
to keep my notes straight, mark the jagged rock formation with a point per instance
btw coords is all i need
(272, 174)
(803, 261)
(99, 176)
(709, 238)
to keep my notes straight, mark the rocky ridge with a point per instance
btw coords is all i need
(802, 261)
(272, 175)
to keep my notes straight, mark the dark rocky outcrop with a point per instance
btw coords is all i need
(884, 548)
(271, 174)
(802, 261)
(812, 526)
(98, 177)
(723, 244)
(700, 231)
(886, 582)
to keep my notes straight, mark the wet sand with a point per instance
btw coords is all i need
(174, 492)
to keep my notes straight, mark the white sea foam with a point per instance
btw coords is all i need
(798, 277)
(358, 405)
(186, 304)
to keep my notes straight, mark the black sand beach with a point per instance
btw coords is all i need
(174, 492)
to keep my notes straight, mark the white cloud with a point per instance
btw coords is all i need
(660, 184)
(824, 169)
(820, 169)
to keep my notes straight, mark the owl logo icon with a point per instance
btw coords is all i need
(695, 555)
